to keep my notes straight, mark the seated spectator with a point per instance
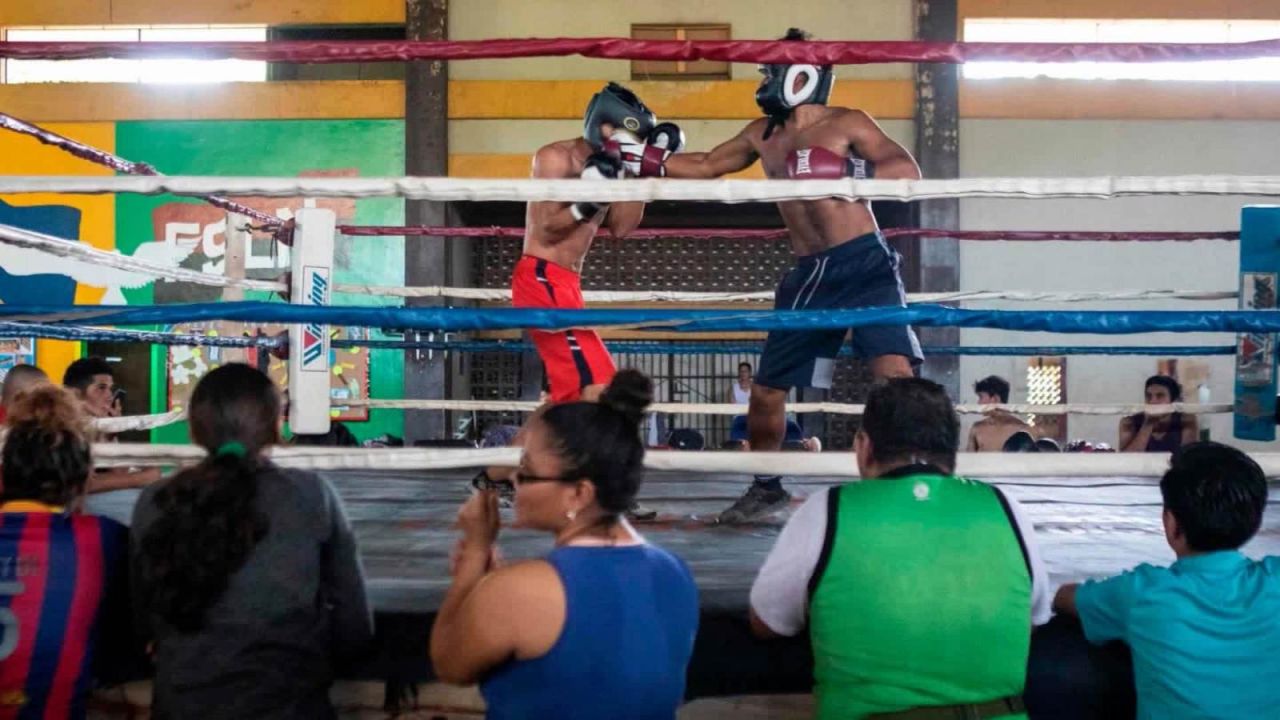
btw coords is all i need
(17, 381)
(1159, 433)
(500, 436)
(997, 425)
(246, 575)
(1021, 442)
(919, 589)
(740, 391)
(92, 381)
(1084, 446)
(62, 574)
(339, 435)
(1203, 631)
(685, 439)
(1048, 445)
(603, 627)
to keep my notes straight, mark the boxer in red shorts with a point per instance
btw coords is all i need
(558, 235)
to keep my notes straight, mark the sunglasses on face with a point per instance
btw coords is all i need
(482, 481)
(521, 477)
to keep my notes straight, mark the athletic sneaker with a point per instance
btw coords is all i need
(757, 502)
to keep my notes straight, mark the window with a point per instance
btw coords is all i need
(1046, 385)
(1050, 30)
(135, 71)
(680, 69)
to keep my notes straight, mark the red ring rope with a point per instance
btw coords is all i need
(752, 51)
(119, 164)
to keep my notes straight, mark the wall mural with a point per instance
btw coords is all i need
(187, 233)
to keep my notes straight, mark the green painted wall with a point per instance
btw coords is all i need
(279, 148)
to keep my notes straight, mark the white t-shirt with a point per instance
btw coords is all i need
(780, 594)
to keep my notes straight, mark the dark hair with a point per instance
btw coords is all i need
(744, 364)
(46, 451)
(18, 376)
(993, 385)
(796, 34)
(80, 373)
(600, 441)
(1217, 494)
(1021, 441)
(1048, 445)
(207, 522)
(1173, 386)
(912, 418)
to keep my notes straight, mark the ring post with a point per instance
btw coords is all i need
(310, 283)
(1255, 391)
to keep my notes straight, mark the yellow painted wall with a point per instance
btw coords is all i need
(468, 99)
(223, 12)
(26, 156)
(1110, 9)
(750, 20)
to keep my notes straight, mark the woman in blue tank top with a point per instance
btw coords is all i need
(603, 627)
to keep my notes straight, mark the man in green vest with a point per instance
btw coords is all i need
(919, 588)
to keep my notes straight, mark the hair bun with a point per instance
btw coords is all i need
(49, 408)
(630, 393)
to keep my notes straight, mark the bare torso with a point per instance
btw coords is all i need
(814, 225)
(566, 247)
(992, 432)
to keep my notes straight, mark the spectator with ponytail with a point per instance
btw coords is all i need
(246, 575)
(604, 625)
(62, 574)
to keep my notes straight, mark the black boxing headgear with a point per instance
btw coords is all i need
(778, 95)
(620, 108)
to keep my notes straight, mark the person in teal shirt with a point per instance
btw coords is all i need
(1205, 631)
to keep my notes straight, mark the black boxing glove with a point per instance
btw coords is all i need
(599, 166)
(648, 158)
(667, 136)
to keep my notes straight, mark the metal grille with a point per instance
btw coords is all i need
(689, 379)
(655, 264)
(665, 264)
(849, 384)
(494, 376)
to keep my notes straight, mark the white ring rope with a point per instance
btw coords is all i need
(58, 247)
(78, 251)
(138, 422)
(149, 422)
(447, 189)
(810, 407)
(795, 464)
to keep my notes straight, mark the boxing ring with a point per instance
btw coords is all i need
(1095, 514)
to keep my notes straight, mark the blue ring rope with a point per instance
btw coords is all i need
(63, 332)
(1105, 322)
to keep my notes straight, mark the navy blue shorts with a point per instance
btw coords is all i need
(860, 273)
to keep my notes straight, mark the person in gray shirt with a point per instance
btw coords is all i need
(245, 575)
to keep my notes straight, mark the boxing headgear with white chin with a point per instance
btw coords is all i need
(619, 107)
(778, 95)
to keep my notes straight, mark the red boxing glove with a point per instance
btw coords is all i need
(819, 163)
(648, 158)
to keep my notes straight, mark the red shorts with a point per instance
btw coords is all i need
(574, 359)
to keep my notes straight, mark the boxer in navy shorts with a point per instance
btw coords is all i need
(842, 259)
